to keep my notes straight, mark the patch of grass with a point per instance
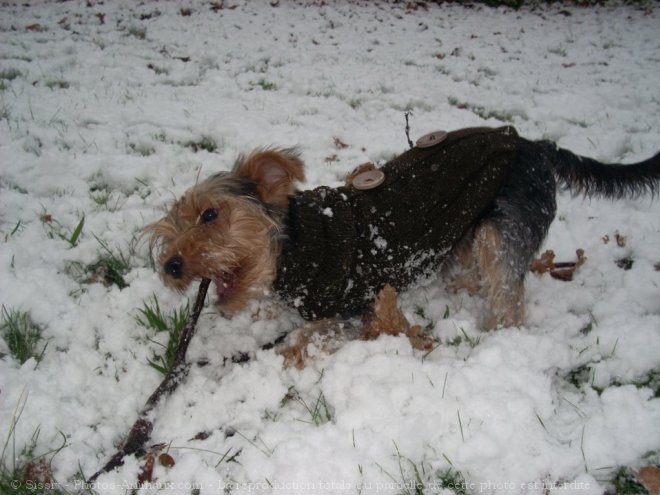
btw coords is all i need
(430, 325)
(158, 70)
(586, 330)
(560, 51)
(318, 410)
(7, 75)
(57, 84)
(10, 74)
(21, 334)
(152, 317)
(412, 475)
(56, 229)
(106, 199)
(585, 375)
(17, 228)
(409, 480)
(205, 143)
(355, 102)
(416, 479)
(27, 473)
(580, 375)
(481, 111)
(453, 480)
(111, 266)
(263, 448)
(625, 263)
(109, 269)
(266, 85)
(651, 380)
(471, 341)
(625, 483)
(138, 32)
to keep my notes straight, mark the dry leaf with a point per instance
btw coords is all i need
(147, 471)
(649, 476)
(166, 460)
(35, 28)
(387, 319)
(544, 263)
(38, 472)
(339, 144)
(620, 239)
(558, 270)
(418, 339)
(202, 435)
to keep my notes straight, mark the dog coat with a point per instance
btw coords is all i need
(343, 244)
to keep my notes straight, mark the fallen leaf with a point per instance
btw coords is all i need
(649, 476)
(35, 28)
(544, 263)
(559, 270)
(202, 435)
(387, 319)
(620, 239)
(147, 471)
(38, 472)
(339, 144)
(166, 460)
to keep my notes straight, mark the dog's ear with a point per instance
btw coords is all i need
(274, 171)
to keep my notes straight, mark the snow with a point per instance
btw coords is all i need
(98, 105)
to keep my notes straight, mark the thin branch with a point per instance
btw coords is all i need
(141, 431)
(410, 143)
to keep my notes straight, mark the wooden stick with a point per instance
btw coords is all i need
(141, 430)
(410, 143)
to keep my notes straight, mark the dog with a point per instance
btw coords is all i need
(473, 205)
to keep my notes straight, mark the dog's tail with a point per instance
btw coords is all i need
(590, 177)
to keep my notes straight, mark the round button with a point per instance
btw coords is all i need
(431, 139)
(368, 180)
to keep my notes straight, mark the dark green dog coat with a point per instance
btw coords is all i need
(343, 245)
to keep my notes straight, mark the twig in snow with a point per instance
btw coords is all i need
(141, 430)
(410, 143)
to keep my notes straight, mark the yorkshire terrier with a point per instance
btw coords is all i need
(474, 205)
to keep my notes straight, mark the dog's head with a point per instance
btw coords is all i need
(228, 227)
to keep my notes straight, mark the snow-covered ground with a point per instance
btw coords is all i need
(99, 105)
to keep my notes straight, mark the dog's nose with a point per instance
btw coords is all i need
(174, 266)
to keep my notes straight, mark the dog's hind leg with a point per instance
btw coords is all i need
(496, 255)
(502, 286)
(462, 271)
(479, 265)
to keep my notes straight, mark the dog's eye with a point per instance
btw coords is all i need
(208, 215)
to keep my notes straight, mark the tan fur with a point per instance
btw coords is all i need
(479, 268)
(240, 241)
(275, 172)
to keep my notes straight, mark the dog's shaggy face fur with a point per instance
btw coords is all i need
(228, 228)
(232, 228)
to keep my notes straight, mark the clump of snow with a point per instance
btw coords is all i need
(110, 110)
